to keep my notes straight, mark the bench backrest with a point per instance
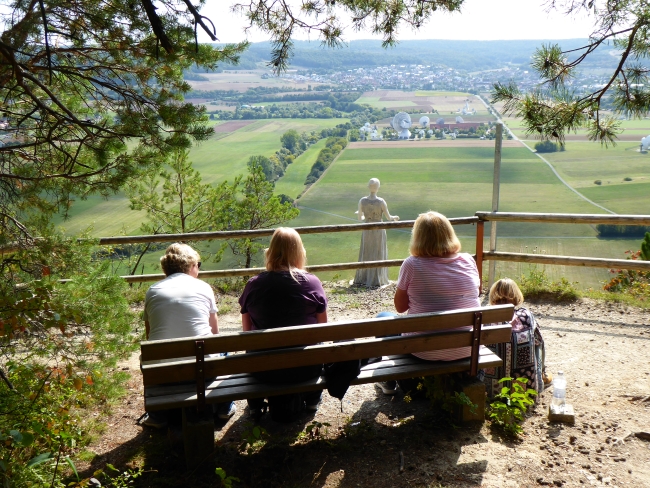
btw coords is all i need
(311, 344)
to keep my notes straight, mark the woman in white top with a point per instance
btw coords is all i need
(434, 278)
(181, 305)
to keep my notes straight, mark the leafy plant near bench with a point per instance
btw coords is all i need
(443, 394)
(253, 438)
(508, 408)
(225, 480)
(60, 343)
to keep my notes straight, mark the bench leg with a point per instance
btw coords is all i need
(198, 436)
(475, 391)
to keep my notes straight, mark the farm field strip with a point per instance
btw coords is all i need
(217, 159)
(292, 183)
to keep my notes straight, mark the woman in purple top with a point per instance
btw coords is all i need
(282, 296)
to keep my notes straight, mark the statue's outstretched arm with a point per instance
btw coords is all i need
(384, 209)
(359, 212)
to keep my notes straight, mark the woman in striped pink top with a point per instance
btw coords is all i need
(437, 277)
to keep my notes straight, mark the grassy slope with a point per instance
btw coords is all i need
(293, 181)
(456, 182)
(217, 159)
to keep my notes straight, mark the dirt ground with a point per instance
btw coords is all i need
(601, 347)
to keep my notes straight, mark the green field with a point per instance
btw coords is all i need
(293, 181)
(456, 182)
(218, 159)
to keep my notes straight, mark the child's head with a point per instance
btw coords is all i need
(505, 291)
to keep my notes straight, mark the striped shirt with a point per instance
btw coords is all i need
(439, 284)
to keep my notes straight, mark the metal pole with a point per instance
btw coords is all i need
(496, 182)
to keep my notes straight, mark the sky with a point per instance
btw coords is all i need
(478, 20)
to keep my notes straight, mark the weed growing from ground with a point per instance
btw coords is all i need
(508, 407)
(225, 480)
(314, 429)
(253, 438)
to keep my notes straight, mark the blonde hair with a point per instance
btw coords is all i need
(433, 236)
(505, 291)
(178, 258)
(285, 252)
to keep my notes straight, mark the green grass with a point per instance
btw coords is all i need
(456, 182)
(218, 159)
(292, 182)
(583, 163)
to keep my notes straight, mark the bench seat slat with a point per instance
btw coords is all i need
(244, 386)
(310, 334)
(320, 353)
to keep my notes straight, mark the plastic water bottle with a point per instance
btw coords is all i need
(559, 393)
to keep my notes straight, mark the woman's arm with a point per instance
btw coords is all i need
(246, 322)
(401, 300)
(214, 325)
(147, 328)
(321, 317)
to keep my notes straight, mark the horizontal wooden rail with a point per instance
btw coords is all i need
(222, 273)
(564, 218)
(253, 234)
(567, 261)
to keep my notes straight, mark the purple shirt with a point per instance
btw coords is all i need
(275, 299)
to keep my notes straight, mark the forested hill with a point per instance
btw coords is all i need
(462, 55)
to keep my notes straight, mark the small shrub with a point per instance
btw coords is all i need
(629, 281)
(598, 182)
(546, 147)
(627, 178)
(538, 285)
(508, 408)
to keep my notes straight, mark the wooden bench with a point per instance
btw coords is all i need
(203, 378)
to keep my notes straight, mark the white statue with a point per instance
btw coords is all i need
(373, 242)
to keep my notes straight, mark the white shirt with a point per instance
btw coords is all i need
(179, 306)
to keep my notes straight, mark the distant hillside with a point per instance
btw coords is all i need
(462, 55)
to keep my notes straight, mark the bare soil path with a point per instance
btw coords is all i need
(602, 348)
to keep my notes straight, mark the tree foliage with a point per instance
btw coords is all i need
(545, 147)
(185, 204)
(553, 110)
(256, 208)
(79, 79)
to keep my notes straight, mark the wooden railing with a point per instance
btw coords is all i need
(495, 255)
(321, 229)
(481, 255)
